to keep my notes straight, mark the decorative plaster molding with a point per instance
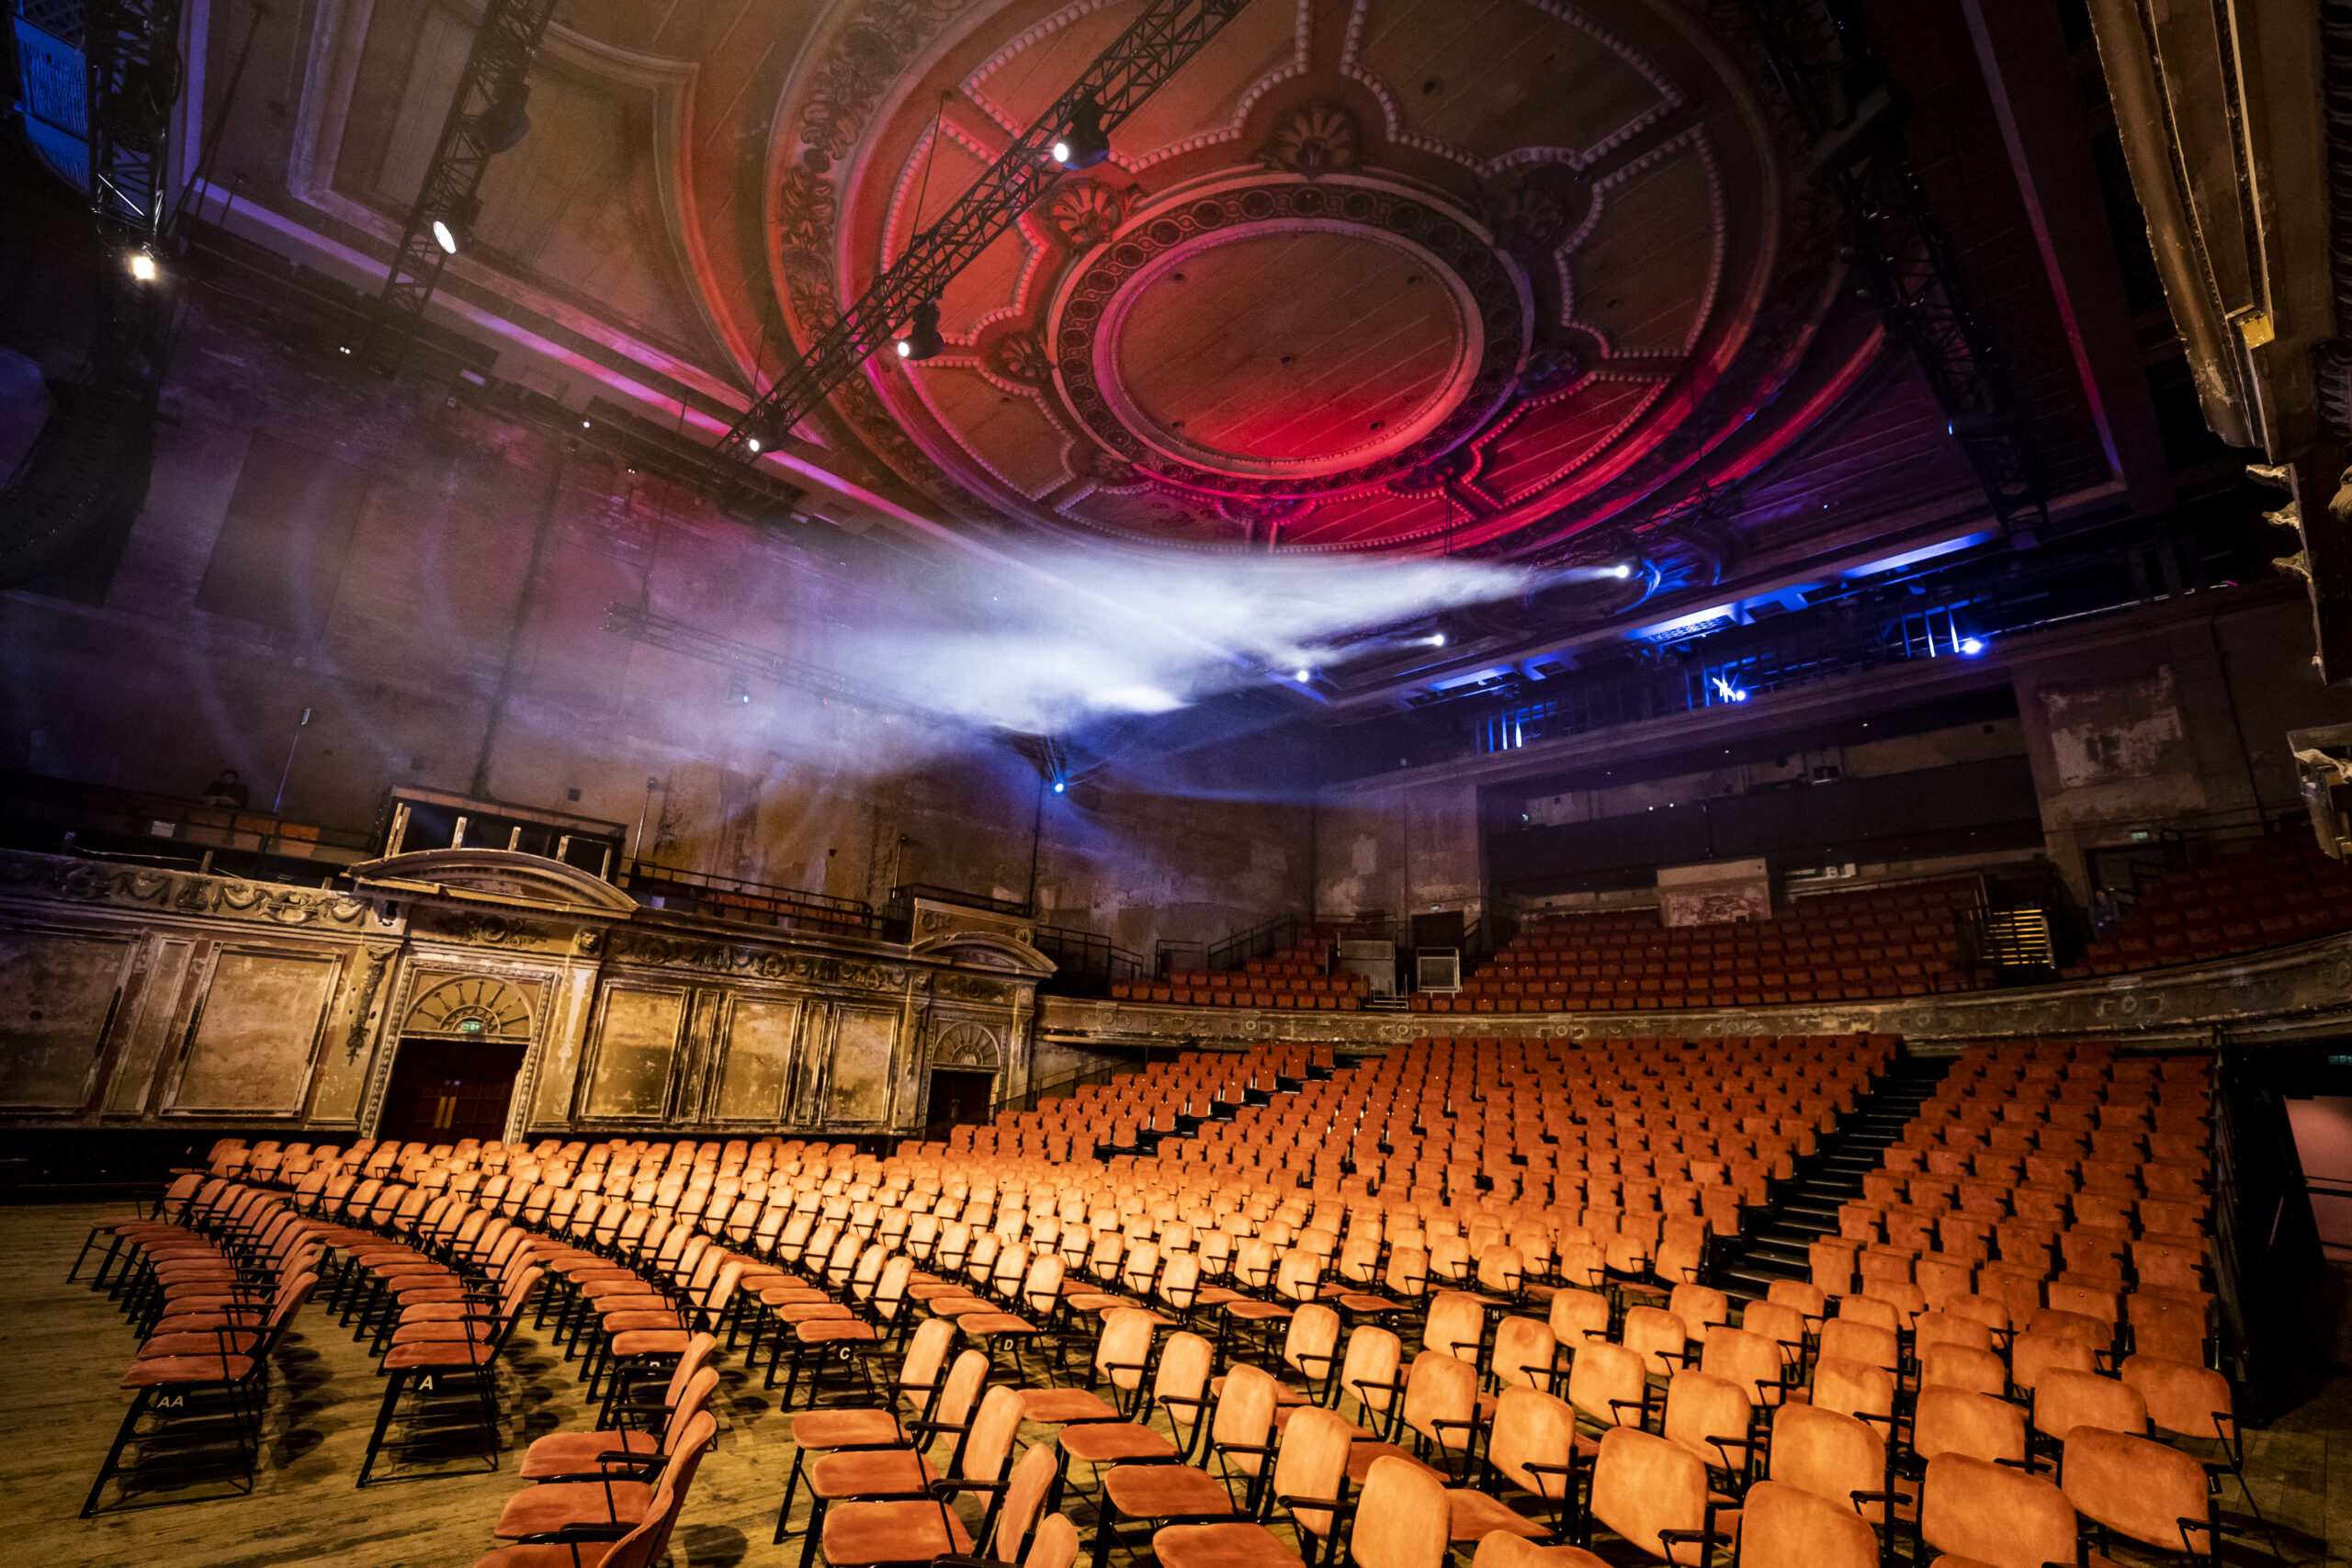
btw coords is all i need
(103, 883)
(533, 884)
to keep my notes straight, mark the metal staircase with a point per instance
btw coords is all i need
(1806, 1209)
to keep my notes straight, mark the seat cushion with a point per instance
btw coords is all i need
(832, 1331)
(1111, 1441)
(847, 1429)
(857, 1534)
(574, 1453)
(1477, 1516)
(589, 1554)
(1361, 1455)
(658, 1342)
(162, 1371)
(1052, 1405)
(536, 1509)
(871, 1473)
(1166, 1492)
(1223, 1546)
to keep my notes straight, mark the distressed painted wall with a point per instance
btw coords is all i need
(431, 582)
(131, 998)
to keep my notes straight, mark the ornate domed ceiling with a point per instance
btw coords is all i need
(1412, 275)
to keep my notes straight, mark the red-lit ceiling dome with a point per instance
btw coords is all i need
(1364, 274)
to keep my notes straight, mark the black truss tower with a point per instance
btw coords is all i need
(490, 89)
(1901, 252)
(1151, 50)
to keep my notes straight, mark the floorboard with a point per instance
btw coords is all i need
(62, 1348)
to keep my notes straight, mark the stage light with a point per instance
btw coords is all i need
(143, 266)
(1620, 571)
(1083, 145)
(503, 124)
(453, 226)
(1971, 645)
(1729, 692)
(922, 339)
(752, 442)
(1438, 640)
(1059, 786)
(1302, 676)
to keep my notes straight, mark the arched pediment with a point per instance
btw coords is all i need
(985, 950)
(493, 876)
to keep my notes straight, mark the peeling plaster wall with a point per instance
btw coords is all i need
(430, 650)
(2188, 721)
(1400, 849)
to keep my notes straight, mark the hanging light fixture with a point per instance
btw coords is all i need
(1083, 145)
(922, 339)
(453, 226)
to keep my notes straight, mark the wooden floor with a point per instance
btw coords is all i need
(61, 1349)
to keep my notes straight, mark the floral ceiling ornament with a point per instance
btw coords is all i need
(1019, 356)
(1314, 139)
(1526, 219)
(1087, 212)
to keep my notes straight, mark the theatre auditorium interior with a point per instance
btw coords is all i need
(1488, 784)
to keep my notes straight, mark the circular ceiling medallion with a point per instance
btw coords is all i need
(1363, 275)
(1289, 337)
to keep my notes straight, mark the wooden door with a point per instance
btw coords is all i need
(443, 1090)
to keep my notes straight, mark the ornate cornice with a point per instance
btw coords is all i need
(62, 879)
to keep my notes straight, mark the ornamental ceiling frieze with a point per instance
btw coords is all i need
(1363, 274)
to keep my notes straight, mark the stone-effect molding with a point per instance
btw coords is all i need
(64, 879)
(2286, 990)
(783, 964)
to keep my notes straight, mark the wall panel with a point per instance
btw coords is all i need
(257, 1032)
(57, 990)
(756, 1039)
(859, 1090)
(636, 1041)
(150, 1025)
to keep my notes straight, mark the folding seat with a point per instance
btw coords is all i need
(2030, 1355)
(1714, 1418)
(1992, 1514)
(2064, 1400)
(1240, 1436)
(1981, 1425)
(1654, 1495)
(1831, 1455)
(1855, 1388)
(863, 1535)
(1312, 1466)
(2140, 1490)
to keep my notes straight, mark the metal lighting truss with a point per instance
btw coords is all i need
(488, 90)
(1151, 50)
(1842, 94)
(93, 450)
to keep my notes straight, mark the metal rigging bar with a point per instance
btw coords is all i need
(487, 107)
(135, 74)
(1152, 50)
(1841, 92)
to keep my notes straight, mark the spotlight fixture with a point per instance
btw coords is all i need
(143, 266)
(1982, 424)
(1059, 786)
(1083, 145)
(1302, 676)
(922, 339)
(1437, 639)
(453, 226)
(1971, 645)
(504, 124)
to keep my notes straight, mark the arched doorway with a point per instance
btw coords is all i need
(460, 1047)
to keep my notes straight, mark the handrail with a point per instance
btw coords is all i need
(1086, 959)
(903, 897)
(1260, 941)
(1036, 1094)
(787, 903)
(2268, 1270)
